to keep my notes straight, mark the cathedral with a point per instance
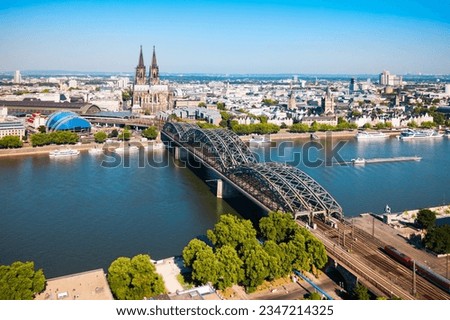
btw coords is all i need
(149, 95)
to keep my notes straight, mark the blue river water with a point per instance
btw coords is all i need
(73, 215)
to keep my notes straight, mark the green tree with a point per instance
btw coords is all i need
(256, 264)
(299, 127)
(205, 267)
(10, 142)
(100, 136)
(360, 292)
(191, 250)
(426, 218)
(150, 133)
(412, 124)
(20, 281)
(135, 278)
(42, 129)
(221, 106)
(314, 296)
(427, 124)
(124, 135)
(232, 231)
(201, 104)
(230, 267)
(276, 264)
(114, 133)
(437, 239)
(278, 226)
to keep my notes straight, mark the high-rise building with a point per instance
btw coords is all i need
(17, 77)
(388, 79)
(149, 96)
(352, 86)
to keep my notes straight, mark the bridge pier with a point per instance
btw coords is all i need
(176, 153)
(219, 192)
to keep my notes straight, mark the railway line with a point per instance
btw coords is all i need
(354, 246)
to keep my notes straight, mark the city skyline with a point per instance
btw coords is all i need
(231, 37)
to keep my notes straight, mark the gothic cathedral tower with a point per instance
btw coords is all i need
(140, 71)
(154, 70)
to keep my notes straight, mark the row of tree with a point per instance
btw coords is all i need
(303, 127)
(10, 142)
(238, 254)
(57, 137)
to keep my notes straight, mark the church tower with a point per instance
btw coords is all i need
(140, 71)
(154, 70)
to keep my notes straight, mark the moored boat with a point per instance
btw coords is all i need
(64, 153)
(410, 134)
(359, 161)
(365, 135)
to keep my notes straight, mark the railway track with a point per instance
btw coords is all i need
(347, 242)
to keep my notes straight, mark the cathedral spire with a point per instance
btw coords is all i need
(154, 64)
(154, 70)
(141, 59)
(140, 71)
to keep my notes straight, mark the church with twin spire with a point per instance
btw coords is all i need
(149, 95)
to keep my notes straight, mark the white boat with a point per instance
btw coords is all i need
(410, 134)
(359, 161)
(64, 153)
(259, 140)
(365, 135)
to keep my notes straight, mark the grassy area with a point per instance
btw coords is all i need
(185, 280)
(274, 283)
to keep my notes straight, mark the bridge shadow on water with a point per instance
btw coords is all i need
(240, 203)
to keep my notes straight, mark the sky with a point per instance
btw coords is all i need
(229, 36)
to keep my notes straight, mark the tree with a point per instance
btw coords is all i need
(114, 133)
(42, 129)
(220, 106)
(314, 296)
(232, 231)
(256, 263)
(191, 250)
(20, 281)
(437, 239)
(299, 127)
(100, 137)
(276, 264)
(278, 226)
(360, 292)
(205, 267)
(124, 135)
(150, 133)
(135, 278)
(230, 267)
(426, 218)
(10, 142)
(201, 104)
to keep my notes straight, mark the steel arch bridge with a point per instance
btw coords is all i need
(221, 146)
(275, 185)
(285, 188)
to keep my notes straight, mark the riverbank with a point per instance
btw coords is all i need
(288, 136)
(28, 150)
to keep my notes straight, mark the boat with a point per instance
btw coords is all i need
(259, 140)
(447, 133)
(410, 134)
(364, 135)
(64, 153)
(359, 161)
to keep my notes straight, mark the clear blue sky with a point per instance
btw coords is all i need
(247, 36)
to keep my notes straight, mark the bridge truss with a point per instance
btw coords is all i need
(277, 186)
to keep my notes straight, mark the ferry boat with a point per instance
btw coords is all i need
(259, 140)
(364, 135)
(64, 153)
(359, 161)
(419, 134)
